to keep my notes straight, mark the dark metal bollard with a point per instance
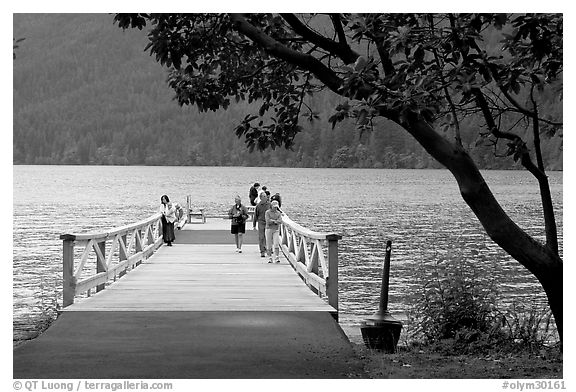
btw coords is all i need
(382, 331)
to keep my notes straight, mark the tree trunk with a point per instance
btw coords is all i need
(540, 260)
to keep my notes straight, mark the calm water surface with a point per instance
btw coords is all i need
(421, 211)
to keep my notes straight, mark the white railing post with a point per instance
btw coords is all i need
(332, 278)
(69, 282)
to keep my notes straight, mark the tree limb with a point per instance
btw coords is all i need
(512, 100)
(538, 171)
(273, 47)
(385, 58)
(340, 49)
(337, 23)
(524, 156)
(446, 93)
(547, 206)
(536, 131)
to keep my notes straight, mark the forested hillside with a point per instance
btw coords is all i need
(85, 92)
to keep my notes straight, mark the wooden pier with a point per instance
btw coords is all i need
(126, 276)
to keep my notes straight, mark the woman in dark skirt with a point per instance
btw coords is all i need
(168, 212)
(239, 214)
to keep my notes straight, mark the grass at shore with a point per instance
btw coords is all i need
(429, 363)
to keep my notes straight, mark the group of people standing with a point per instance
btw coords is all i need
(267, 219)
(255, 193)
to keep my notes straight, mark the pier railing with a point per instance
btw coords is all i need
(92, 260)
(113, 252)
(314, 256)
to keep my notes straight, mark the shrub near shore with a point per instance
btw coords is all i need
(457, 329)
(459, 302)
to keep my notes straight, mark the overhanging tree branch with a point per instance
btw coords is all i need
(340, 49)
(523, 110)
(446, 93)
(510, 98)
(536, 130)
(522, 152)
(337, 23)
(547, 206)
(520, 149)
(304, 61)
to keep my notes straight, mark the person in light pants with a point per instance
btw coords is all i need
(260, 218)
(273, 222)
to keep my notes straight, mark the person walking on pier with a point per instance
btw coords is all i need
(260, 218)
(239, 214)
(264, 189)
(253, 194)
(277, 197)
(168, 218)
(273, 222)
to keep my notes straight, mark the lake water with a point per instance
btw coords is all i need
(421, 211)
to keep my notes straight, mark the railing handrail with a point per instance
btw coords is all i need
(107, 234)
(315, 235)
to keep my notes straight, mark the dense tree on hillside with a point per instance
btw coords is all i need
(427, 74)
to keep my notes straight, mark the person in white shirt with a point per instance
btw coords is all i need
(168, 218)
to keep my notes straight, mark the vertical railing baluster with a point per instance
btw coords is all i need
(315, 247)
(149, 235)
(69, 284)
(122, 255)
(138, 244)
(100, 265)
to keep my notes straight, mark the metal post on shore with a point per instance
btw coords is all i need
(382, 331)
